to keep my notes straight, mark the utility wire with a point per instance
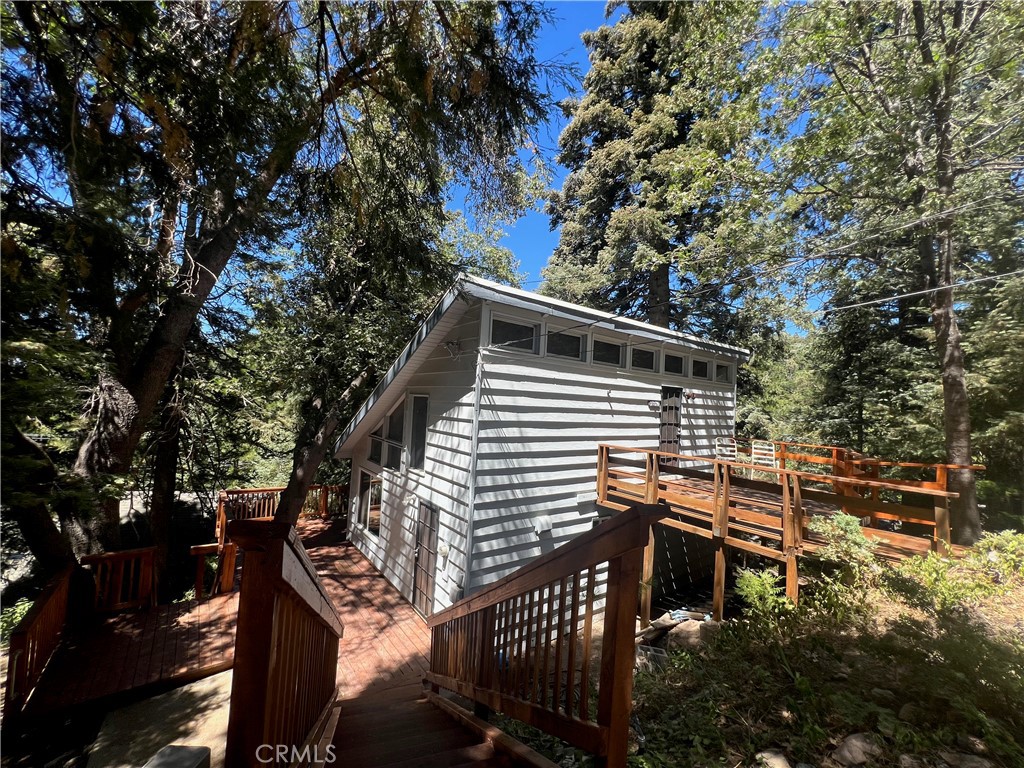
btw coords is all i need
(918, 293)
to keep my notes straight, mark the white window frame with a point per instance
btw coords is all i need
(684, 373)
(411, 399)
(730, 377)
(387, 442)
(620, 343)
(643, 348)
(584, 343)
(535, 324)
(711, 369)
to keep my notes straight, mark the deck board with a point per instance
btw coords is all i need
(118, 654)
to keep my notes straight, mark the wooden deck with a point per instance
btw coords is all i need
(167, 646)
(386, 719)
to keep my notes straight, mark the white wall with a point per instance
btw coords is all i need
(447, 378)
(541, 420)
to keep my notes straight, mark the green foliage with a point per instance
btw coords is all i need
(763, 593)
(940, 584)
(803, 679)
(11, 615)
(846, 546)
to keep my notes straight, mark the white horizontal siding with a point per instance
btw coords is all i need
(541, 420)
(447, 378)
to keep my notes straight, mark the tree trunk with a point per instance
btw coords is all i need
(310, 455)
(27, 504)
(956, 417)
(659, 309)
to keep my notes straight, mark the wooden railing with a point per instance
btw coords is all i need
(552, 644)
(710, 498)
(33, 641)
(254, 504)
(283, 687)
(125, 580)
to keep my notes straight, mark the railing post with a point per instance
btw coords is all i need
(942, 541)
(615, 700)
(254, 655)
(789, 538)
(651, 479)
(602, 473)
(720, 530)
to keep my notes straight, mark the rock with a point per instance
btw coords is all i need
(883, 694)
(665, 621)
(684, 635)
(960, 760)
(804, 765)
(708, 629)
(856, 749)
(971, 744)
(911, 713)
(772, 758)
(911, 761)
(842, 672)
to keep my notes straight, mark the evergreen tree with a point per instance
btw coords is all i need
(906, 136)
(151, 148)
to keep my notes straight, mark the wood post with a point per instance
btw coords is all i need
(647, 582)
(651, 479)
(719, 530)
(789, 539)
(615, 701)
(602, 473)
(254, 656)
(226, 567)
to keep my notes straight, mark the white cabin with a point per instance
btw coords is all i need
(477, 451)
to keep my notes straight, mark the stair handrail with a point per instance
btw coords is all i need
(283, 686)
(34, 640)
(504, 646)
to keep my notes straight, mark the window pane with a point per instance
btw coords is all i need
(514, 335)
(376, 445)
(394, 457)
(645, 359)
(701, 369)
(565, 345)
(606, 352)
(369, 502)
(418, 444)
(675, 364)
(723, 373)
(396, 423)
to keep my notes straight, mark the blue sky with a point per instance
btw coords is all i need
(531, 239)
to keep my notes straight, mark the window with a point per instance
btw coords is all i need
(515, 335)
(675, 364)
(644, 359)
(376, 445)
(396, 430)
(701, 369)
(607, 353)
(418, 438)
(370, 492)
(566, 345)
(723, 373)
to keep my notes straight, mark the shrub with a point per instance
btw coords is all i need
(11, 615)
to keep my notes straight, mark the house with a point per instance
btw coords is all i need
(478, 449)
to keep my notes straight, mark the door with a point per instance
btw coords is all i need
(426, 559)
(671, 418)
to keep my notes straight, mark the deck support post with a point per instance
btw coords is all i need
(789, 541)
(647, 582)
(615, 699)
(719, 531)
